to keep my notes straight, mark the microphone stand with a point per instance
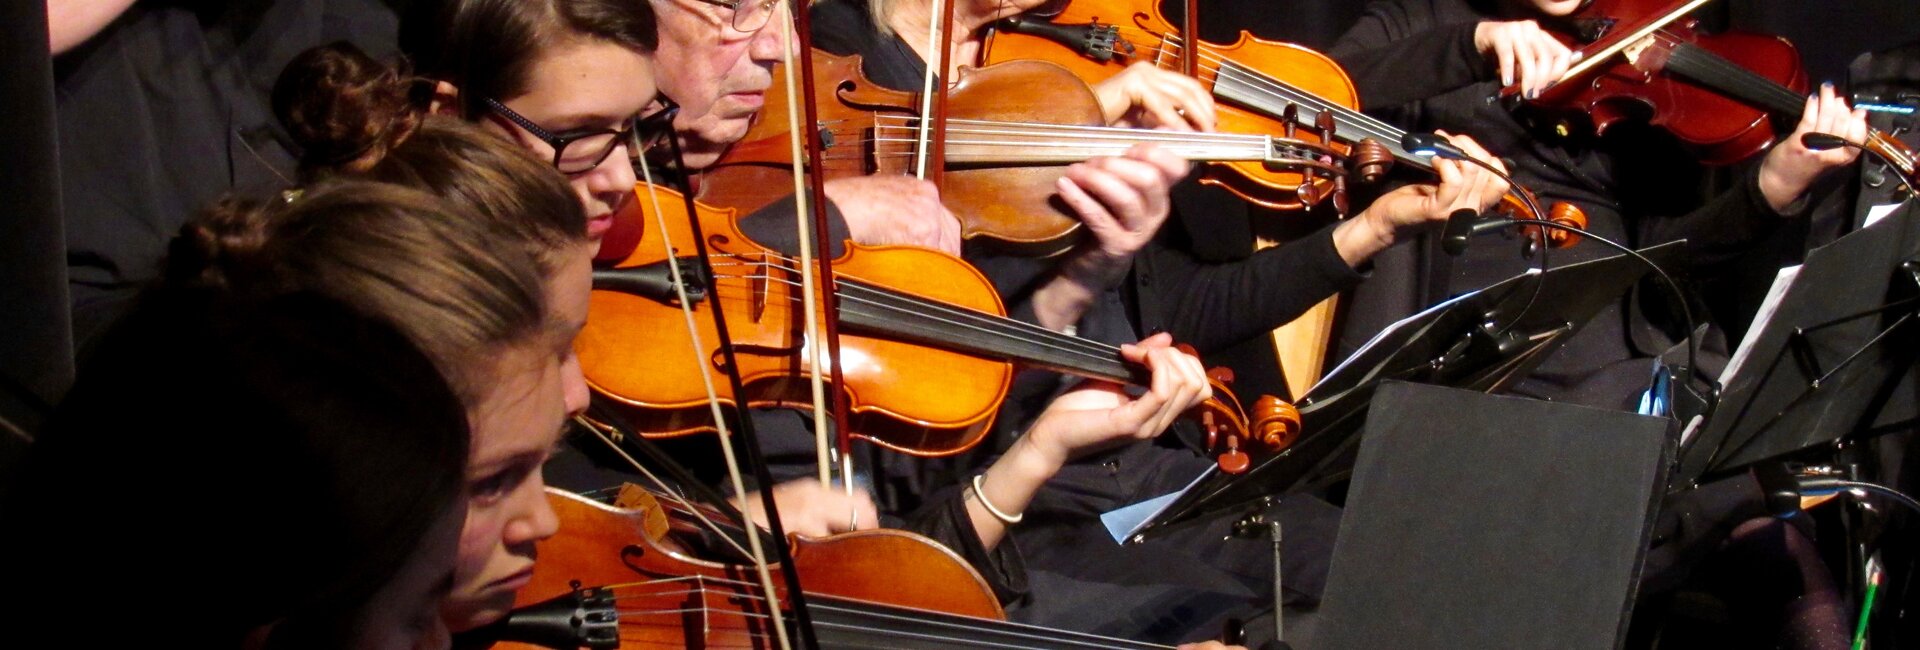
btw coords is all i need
(1429, 144)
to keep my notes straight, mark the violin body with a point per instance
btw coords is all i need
(638, 351)
(1139, 33)
(667, 598)
(1676, 78)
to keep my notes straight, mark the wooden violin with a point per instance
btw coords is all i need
(867, 589)
(926, 352)
(1262, 86)
(1010, 131)
(1647, 60)
(1703, 88)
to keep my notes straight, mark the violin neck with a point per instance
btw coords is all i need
(1728, 78)
(880, 311)
(1262, 93)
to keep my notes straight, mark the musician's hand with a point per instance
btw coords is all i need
(1122, 200)
(1790, 168)
(1096, 415)
(1526, 54)
(814, 510)
(1147, 96)
(895, 209)
(1463, 185)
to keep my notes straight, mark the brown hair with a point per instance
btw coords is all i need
(299, 451)
(487, 47)
(393, 252)
(352, 116)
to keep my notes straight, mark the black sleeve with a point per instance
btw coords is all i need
(1215, 305)
(1403, 51)
(773, 227)
(945, 520)
(1728, 225)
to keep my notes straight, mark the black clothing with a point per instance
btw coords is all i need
(167, 109)
(1415, 64)
(1171, 588)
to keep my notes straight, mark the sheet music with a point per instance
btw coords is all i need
(1395, 327)
(1775, 294)
(1878, 212)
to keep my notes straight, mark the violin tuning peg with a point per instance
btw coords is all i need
(1221, 374)
(1234, 461)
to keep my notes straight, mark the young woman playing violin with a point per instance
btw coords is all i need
(292, 448)
(1432, 64)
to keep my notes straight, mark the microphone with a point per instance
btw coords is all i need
(1430, 145)
(1460, 228)
(1823, 141)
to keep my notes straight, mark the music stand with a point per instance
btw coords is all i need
(1482, 340)
(1821, 357)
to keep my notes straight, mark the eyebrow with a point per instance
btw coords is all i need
(589, 122)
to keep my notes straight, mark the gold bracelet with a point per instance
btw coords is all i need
(997, 514)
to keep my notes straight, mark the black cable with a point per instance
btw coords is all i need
(1824, 485)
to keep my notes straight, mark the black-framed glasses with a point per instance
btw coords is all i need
(748, 15)
(581, 150)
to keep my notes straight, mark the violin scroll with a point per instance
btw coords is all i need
(1276, 424)
(1565, 214)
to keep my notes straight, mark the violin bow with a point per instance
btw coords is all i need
(819, 287)
(755, 460)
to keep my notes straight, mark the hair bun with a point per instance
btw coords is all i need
(222, 243)
(343, 107)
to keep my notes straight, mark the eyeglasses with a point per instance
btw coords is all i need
(581, 150)
(748, 15)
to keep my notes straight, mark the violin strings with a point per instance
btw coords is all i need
(960, 319)
(1025, 327)
(858, 295)
(857, 291)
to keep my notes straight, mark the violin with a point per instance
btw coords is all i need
(1261, 86)
(927, 353)
(1004, 147)
(1705, 89)
(622, 582)
(1647, 59)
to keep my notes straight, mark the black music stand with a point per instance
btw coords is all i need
(1483, 341)
(1519, 523)
(1822, 359)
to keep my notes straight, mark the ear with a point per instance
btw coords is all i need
(446, 99)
